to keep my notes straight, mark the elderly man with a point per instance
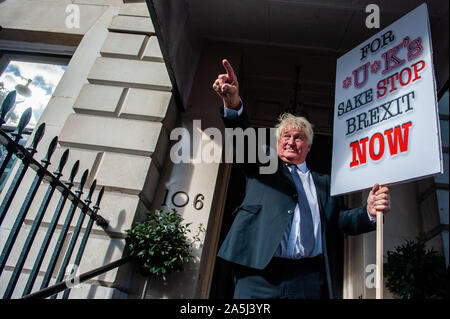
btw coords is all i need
(286, 238)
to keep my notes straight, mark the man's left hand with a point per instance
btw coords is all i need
(378, 200)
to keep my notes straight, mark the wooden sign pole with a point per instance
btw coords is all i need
(379, 270)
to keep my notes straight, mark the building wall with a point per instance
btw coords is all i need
(442, 181)
(113, 109)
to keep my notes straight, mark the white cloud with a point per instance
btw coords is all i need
(46, 78)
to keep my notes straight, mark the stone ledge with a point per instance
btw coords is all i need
(98, 99)
(153, 51)
(130, 24)
(122, 172)
(99, 2)
(135, 9)
(130, 73)
(145, 104)
(122, 45)
(110, 134)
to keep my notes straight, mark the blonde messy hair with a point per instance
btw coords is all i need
(298, 122)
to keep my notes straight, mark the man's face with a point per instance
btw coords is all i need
(293, 146)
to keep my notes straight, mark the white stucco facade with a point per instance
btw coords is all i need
(114, 108)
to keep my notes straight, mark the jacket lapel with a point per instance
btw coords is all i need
(321, 193)
(283, 171)
(317, 178)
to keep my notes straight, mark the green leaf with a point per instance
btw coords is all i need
(160, 243)
(413, 272)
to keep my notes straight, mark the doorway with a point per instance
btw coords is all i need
(319, 160)
(274, 80)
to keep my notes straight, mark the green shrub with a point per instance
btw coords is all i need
(160, 244)
(412, 272)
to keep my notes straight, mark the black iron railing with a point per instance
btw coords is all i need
(79, 208)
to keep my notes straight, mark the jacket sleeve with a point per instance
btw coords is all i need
(354, 221)
(241, 122)
(235, 122)
(348, 221)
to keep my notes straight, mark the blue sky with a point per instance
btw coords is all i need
(45, 78)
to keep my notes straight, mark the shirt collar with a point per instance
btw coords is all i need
(302, 167)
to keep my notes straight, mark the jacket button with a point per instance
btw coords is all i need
(290, 212)
(295, 195)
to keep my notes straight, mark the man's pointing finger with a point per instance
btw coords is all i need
(230, 71)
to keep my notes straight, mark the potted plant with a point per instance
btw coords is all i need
(412, 272)
(160, 244)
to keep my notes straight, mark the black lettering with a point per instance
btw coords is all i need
(165, 198)
(387, 38)
(378, 45)
(374, 116)
(180, 204)
(398, 106)
(349, 106)
(341, 109)
(364, 51)
(362, 119)
(369, 96)
(351, 127)
(358, 102)
(407, 100)
(386, 110)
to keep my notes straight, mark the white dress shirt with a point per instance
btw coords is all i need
(290, 246)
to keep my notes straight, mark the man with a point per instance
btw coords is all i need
(286, 238)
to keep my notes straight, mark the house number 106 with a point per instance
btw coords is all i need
(181, 199)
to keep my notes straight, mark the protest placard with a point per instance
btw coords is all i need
(386, 124)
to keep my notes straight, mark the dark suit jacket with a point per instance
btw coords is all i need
(267, 209)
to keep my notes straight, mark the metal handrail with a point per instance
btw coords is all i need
(62, 285)
(26, 155)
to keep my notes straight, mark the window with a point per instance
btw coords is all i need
(34, 78)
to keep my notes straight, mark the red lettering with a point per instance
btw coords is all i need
(401, 77)
(415, 48)
(380, 138)
(417, 70)
(398, 140)
(392, 79)
(391, 61)
(356, 80)
(357, 151)
(406, 76)
(381, 89)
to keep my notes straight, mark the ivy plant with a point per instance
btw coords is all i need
(413, 272)
(160, 243)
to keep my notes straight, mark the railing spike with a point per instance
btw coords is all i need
(91, 191)
(83, 179)
(24, 119)
(51, 149)
(62, 163)
(42, 172)
(23, 122)
(37, 138)
(99, 198)
(7, 105)
(73, 172)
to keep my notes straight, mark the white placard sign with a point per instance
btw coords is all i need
(386, 125)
